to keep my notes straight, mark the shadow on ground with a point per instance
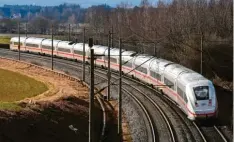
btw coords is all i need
(225, 104)
(60, 121)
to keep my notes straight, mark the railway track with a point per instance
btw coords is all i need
(205, 133)
(161, 123)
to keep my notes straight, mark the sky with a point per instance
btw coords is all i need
(83, 3)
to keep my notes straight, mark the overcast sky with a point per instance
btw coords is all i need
(83, 3)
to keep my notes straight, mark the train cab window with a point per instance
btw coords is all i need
(46, 47)
(141, 69)
(201, 92)
(64, 50)
(78, 52)
(155, 75)
(31, 45)
(169, 83)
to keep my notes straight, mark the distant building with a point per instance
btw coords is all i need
(16, 16)
(75, 28)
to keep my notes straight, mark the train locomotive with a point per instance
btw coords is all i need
(192, 92)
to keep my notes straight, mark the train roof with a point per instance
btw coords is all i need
(144, 60)
(16, 39)
(48, 42)
(34, 40)
(129, 53)
(128, 56)
(113, 52)
(79, 47)
(65, 44)
(99, 49)
(191, 77)
(158, 64)
(175, 70)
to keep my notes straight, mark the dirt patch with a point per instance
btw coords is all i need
(60, 114)
(58, 86)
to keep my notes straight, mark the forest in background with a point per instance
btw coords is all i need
(177, 30)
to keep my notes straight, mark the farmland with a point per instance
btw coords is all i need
(4, 40)
(15, 87)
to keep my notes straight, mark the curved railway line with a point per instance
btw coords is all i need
(164, 119)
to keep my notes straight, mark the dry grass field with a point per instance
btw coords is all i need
(5, 39)
(15, 87)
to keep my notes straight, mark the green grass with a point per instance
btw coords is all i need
(15, 87)
(5, 39)
(9, 106)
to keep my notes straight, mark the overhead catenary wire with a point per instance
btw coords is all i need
(100, 90)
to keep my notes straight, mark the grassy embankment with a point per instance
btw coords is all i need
(5, 39)
(15, 87)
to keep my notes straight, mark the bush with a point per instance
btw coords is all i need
(6, 46)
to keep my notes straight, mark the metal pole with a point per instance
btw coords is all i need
(120, 89)
(83, 74)
(201, 54)
(19, 39)
(69, 36)
(155, 51)
(26, 29)
(91, 97)
(112, 37)
(52, 49)
(108, 73)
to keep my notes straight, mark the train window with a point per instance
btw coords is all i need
(185, 98)
(180, 92)
(78, 52)
(127, 63)
(169, 83)
(155, 75)
(111, 59)
(201, 92)
(16, 43)
(98, 57)
(46, 47)
(64, 50)
(141, 69)
(31, 45)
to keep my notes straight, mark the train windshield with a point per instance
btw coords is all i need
(201, 92)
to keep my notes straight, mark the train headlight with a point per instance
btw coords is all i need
(210, 102)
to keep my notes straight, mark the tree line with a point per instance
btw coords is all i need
(174, 31)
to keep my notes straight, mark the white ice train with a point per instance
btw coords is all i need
(191, 91)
